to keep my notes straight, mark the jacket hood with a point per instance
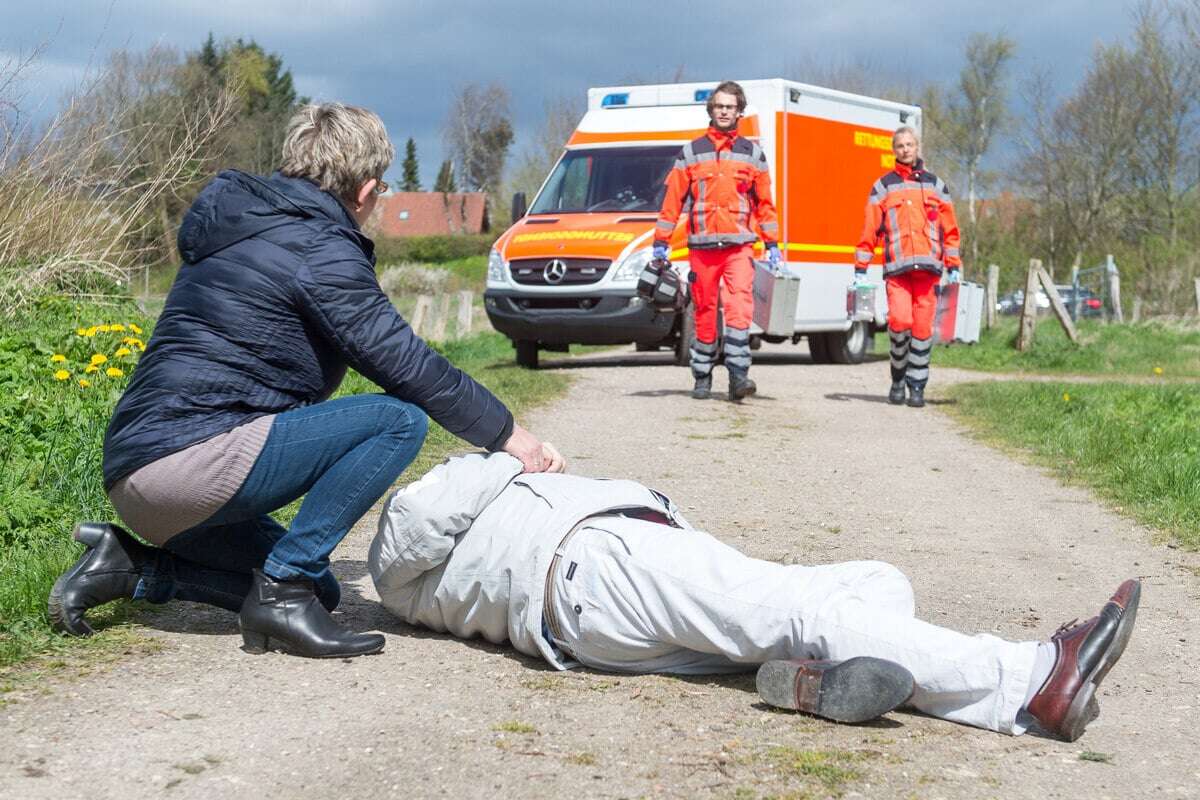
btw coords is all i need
(236, 206)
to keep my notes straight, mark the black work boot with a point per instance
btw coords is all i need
(108, 570)
(703, 388)
(896, 393)
(286, 616)
(740, 385)
(916, 396)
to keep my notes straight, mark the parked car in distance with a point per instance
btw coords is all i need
(1090, 304)
(1013, 302)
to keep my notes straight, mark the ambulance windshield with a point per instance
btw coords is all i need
(608, 179)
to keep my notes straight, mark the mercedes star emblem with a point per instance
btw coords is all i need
(554, 271)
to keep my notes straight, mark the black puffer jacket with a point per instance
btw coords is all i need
(276, 297)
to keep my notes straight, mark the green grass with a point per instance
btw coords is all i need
(50, 450)
(1125, 350)
(1137, 445)
(51, 434)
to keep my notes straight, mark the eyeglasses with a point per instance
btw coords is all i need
(381, 187)
(723, 107)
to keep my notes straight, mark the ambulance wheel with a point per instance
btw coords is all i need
(683, 345)
(848, 347)
(818, 348)
(527, 353)
(645, 347)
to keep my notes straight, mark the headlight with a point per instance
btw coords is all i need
(496, 268)
(632, 266)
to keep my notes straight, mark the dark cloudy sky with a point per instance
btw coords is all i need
(405, 59)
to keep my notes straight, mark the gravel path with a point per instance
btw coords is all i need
(815, 468)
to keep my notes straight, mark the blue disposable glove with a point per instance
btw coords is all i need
(952, 276)
(773, 256)
(659, 251)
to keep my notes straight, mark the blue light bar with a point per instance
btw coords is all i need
(615, 100)
(702, 95)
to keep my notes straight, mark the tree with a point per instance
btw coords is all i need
(1077, 153)
(445, 178)
(478, 134)
(411, 180)
(975, 113)
(267, 100)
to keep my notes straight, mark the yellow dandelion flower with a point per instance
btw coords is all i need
(61, 375)
(135, 329)
(81, 332)
(84, 383)
(104, 328)
(122, 352)
(89, 369)
(90, 332)
(57, 358)
(141, 346)
(98, 358)
(113, 372)
(1158, 370)
(116, 327)
(1066, 397)
(128, 340)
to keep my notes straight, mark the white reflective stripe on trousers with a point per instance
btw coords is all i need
(644, 597)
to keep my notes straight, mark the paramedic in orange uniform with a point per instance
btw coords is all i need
(910, 214)
(722, 183)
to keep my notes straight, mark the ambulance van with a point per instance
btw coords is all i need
(566, 271)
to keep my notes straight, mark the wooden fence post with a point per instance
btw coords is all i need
(1114, 288)
(437, 331)
(1137, 310)
(1029, 307)
(424, 304)
(1056, 303)
(466, 307)
(993, 291)
(1198, 295)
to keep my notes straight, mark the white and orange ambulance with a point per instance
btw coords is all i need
(566, 271)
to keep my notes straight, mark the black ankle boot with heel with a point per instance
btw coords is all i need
(108, 570)
(286, 615)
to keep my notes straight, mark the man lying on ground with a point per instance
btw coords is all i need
(607, 574)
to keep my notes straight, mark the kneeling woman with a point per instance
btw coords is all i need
(227, 417)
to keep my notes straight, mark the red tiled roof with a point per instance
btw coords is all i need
(431, 213)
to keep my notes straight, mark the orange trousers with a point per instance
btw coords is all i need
(709, 267)
(912, 303)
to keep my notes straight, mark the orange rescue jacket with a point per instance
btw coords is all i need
(910, 211)
(721, 182)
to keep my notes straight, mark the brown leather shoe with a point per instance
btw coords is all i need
(854, 690)
(1086, 651)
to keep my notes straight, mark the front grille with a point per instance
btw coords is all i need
(533, 271)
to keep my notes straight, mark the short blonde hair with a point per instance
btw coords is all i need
(337, 147)
(910, 132)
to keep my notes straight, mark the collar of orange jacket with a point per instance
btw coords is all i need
(722, 140)
(905, 171)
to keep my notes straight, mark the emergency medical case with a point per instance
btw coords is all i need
(775, 297)
(860, 302)
(959, 314)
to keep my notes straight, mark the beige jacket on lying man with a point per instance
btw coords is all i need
(466, 548)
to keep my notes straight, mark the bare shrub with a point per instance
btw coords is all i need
(78, 195)
(408, 279)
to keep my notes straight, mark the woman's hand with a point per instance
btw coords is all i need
(553, 459)
(526, 448)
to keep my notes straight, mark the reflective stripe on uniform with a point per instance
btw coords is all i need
(720, 239)
(703, 355)
(918, 361)
(737, 349)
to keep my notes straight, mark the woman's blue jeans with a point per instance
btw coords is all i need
(341, 455)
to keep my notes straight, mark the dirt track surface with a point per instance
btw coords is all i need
(816, 468)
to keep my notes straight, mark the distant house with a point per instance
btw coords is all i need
(432, 213)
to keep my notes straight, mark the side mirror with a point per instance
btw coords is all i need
(518, 206)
